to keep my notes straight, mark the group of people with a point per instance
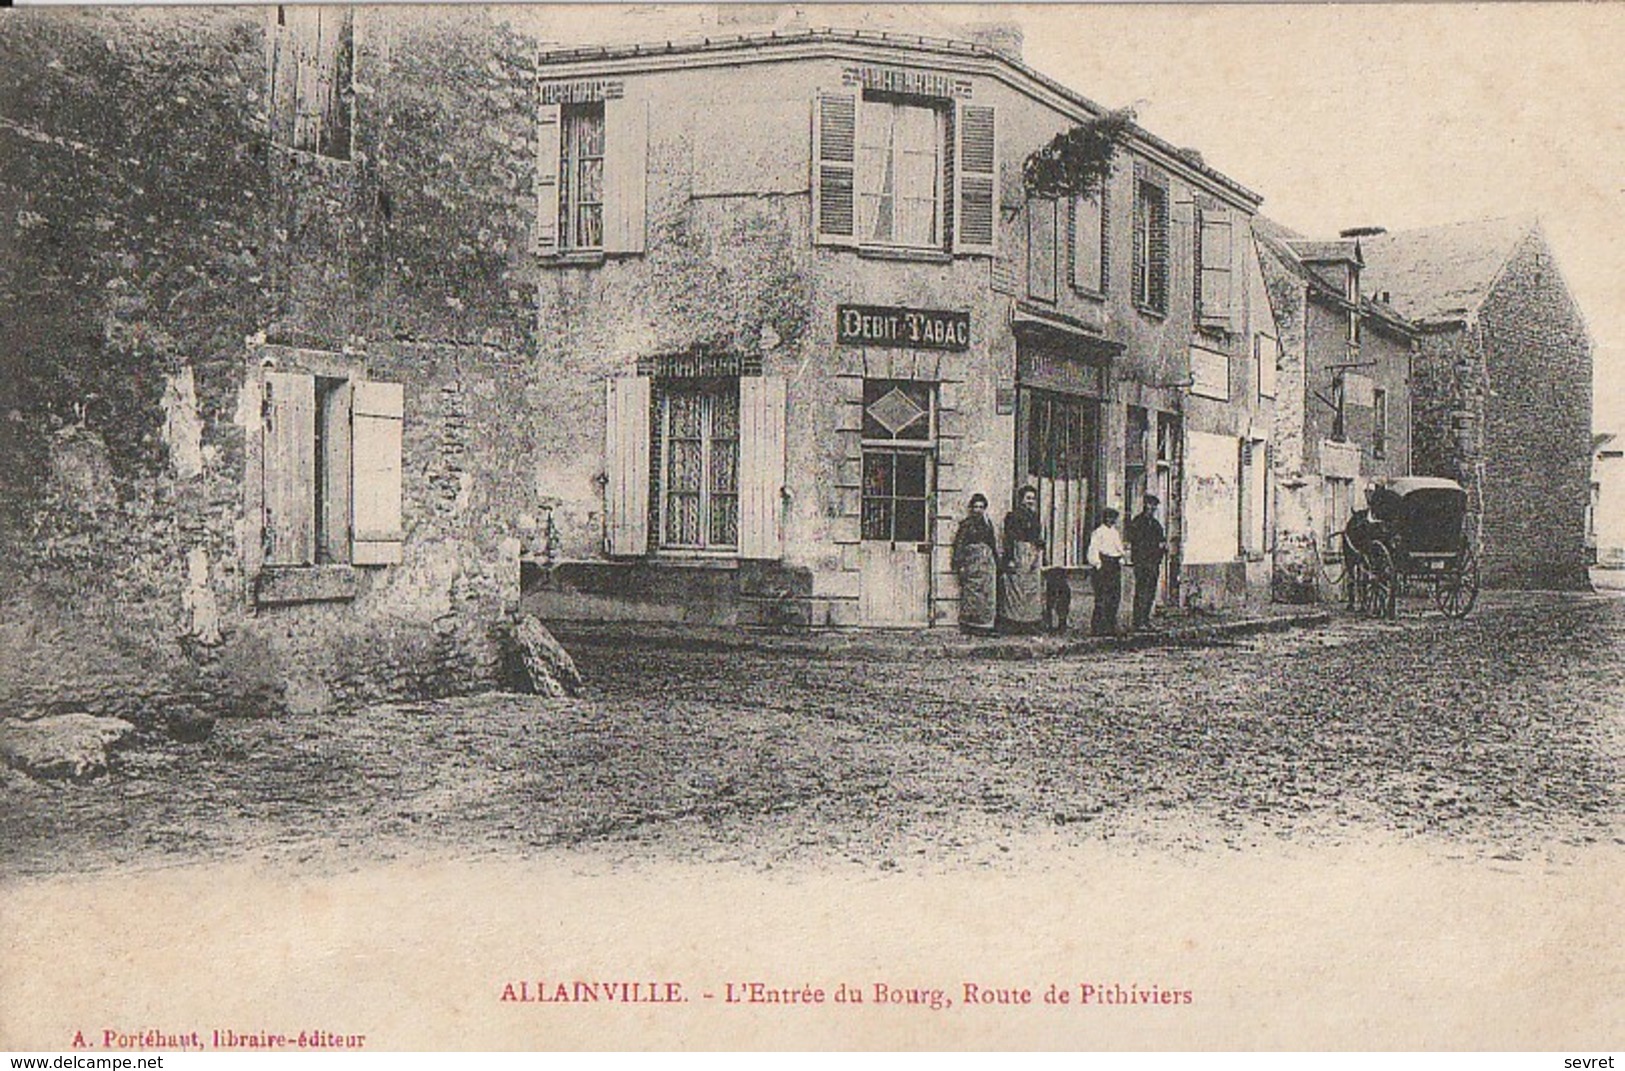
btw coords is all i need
(1009, 592)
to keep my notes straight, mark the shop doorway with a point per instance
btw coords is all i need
(898, 502)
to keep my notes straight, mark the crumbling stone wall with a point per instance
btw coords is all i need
(156, 229)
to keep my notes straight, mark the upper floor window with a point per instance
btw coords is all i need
(903, 172)
(581, 177)
(312, 71)
(901, 149)
(1151, 245)
(591, 172)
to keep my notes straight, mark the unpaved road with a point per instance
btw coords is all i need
(1497, 738)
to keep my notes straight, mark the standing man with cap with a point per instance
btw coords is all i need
(1105, 557)
(1147, 544)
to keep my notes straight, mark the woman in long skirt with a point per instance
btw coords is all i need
(976, 563)
(1022, 579)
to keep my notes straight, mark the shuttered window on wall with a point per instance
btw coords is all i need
(331, 470)
(904, 171)
(592, 177)
(695, 464)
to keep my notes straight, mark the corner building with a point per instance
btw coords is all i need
(795, 307)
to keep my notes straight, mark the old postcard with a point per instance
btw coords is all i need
(791, 526)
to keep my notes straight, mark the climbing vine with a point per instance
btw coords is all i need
(1078, 160)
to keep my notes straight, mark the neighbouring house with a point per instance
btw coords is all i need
(264, 433)
(1605, 519)
(778, 365)
(1343, 399)
(1502, 387)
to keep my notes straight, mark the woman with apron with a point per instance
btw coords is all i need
(1021, 606)
(976, 564)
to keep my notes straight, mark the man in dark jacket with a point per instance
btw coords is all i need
(1147, 543)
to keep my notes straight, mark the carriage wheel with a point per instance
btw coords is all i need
(1382, 583)
(1457, 590)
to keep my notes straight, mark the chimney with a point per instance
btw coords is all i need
(1361, 232)
(1005, 38)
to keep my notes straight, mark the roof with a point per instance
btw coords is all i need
(1404, 485)
(794, 35)
(1442, 274)
(1284, 248)
(1310, 252)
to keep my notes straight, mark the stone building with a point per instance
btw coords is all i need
(1502, 386)
(796, 306)
(262, 435)
(1343, 398)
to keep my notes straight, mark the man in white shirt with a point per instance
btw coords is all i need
(1105, 558)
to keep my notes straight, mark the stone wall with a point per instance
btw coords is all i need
(1537, 426)
(157, 231)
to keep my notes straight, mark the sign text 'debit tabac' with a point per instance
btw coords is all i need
(884, 325)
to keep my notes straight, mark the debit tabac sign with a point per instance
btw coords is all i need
(888, 325)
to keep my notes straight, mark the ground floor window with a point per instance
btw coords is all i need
(896, 494)
(697, 443)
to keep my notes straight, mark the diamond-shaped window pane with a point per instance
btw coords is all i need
(895, 411)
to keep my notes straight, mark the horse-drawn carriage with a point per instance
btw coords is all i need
(1413, 533)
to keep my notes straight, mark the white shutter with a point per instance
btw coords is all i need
(626, 465)
(976, 178)
(549, 129)
(834, 169)
(376, 411)
(761, 468)
(626, 168)
(1216, 267)
(288, 416)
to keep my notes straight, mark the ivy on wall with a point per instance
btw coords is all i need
(1078, 160)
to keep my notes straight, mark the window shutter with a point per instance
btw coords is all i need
(761, 469)
(626, 169)
(288, 413)
(1042, 225)
(1088, 241)
(549, 129)
(834, 161)
(375, 436)
(976, 175)
(626, 465)
(1215, 251)
(1159, 251)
